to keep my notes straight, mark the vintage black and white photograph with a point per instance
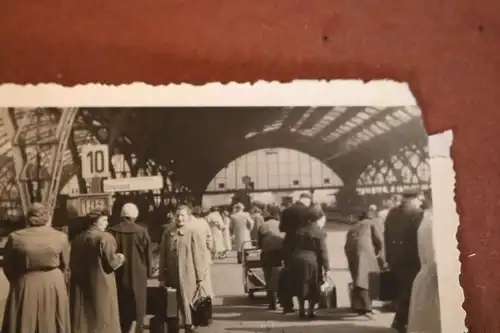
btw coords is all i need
(217, 219)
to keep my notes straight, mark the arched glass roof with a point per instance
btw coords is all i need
(341, 129)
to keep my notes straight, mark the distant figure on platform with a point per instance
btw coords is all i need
(131, 279)
(216, 223)
(36, 259)
(401, 246)
(424, 314)
(241, 227)
(364, 252)
(258, 219)
(226, 232)
(183, 264)
(308, 262)
(270, 241)
(372, 212)
(291, 219)
(93, 295)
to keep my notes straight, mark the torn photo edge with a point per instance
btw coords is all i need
(296, 93)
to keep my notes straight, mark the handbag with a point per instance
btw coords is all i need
(328, 296)
(201, 308)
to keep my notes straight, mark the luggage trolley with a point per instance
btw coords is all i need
(253, 273)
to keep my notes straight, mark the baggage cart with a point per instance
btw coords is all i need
(253, 273)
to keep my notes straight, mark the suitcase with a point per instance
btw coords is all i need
(382, 286)
(328, 297)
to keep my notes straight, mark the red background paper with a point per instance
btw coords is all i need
(448, 51)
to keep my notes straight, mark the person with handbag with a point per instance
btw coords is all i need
(184, 266)
(309, 262)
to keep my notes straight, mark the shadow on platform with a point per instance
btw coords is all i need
(249, 313)
(340, 328)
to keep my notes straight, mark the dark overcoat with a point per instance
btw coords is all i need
(308, 260)
(363, 246)
(93, 296)
(133, 241)
(400, 236)
(291, 219)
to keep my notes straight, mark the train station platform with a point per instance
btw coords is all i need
(235, 312)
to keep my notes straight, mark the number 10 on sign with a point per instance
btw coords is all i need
(95, 161)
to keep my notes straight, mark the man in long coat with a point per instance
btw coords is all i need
(291, 218)
(93, 297)
(131, 279)
(241, 227)
(401, 246)
(364, 252)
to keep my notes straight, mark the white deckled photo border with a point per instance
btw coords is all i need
(296, 93)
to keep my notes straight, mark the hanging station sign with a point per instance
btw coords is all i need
(133, 184)
(81, 205)
(95, 161)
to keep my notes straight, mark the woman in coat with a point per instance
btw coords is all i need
(183, 263)
(216, 223)
(35, 261)
(424, 305)
(93, 296)
(226, 232)
(364, 252)
(309, 261)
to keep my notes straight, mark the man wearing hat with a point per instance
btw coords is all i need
(291, 218)
(131, 279)
(401, 247)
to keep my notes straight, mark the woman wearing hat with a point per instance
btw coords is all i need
(308, 262)
(35, 261)
(93, 295)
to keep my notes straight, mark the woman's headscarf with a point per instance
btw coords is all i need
(38, 215)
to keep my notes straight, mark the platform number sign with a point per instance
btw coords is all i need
(95, 161)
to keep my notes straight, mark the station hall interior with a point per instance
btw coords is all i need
(346, 156)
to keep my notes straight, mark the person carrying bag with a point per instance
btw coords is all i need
(201, 308)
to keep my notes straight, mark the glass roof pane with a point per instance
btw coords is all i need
(363, 115)
(375, 129)
(278, 123)
(371, 111)
(393, 121)
(402, 115)
(303, 118)
(413, 110)
(383, 125)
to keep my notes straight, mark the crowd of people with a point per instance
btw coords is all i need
(98, 281)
